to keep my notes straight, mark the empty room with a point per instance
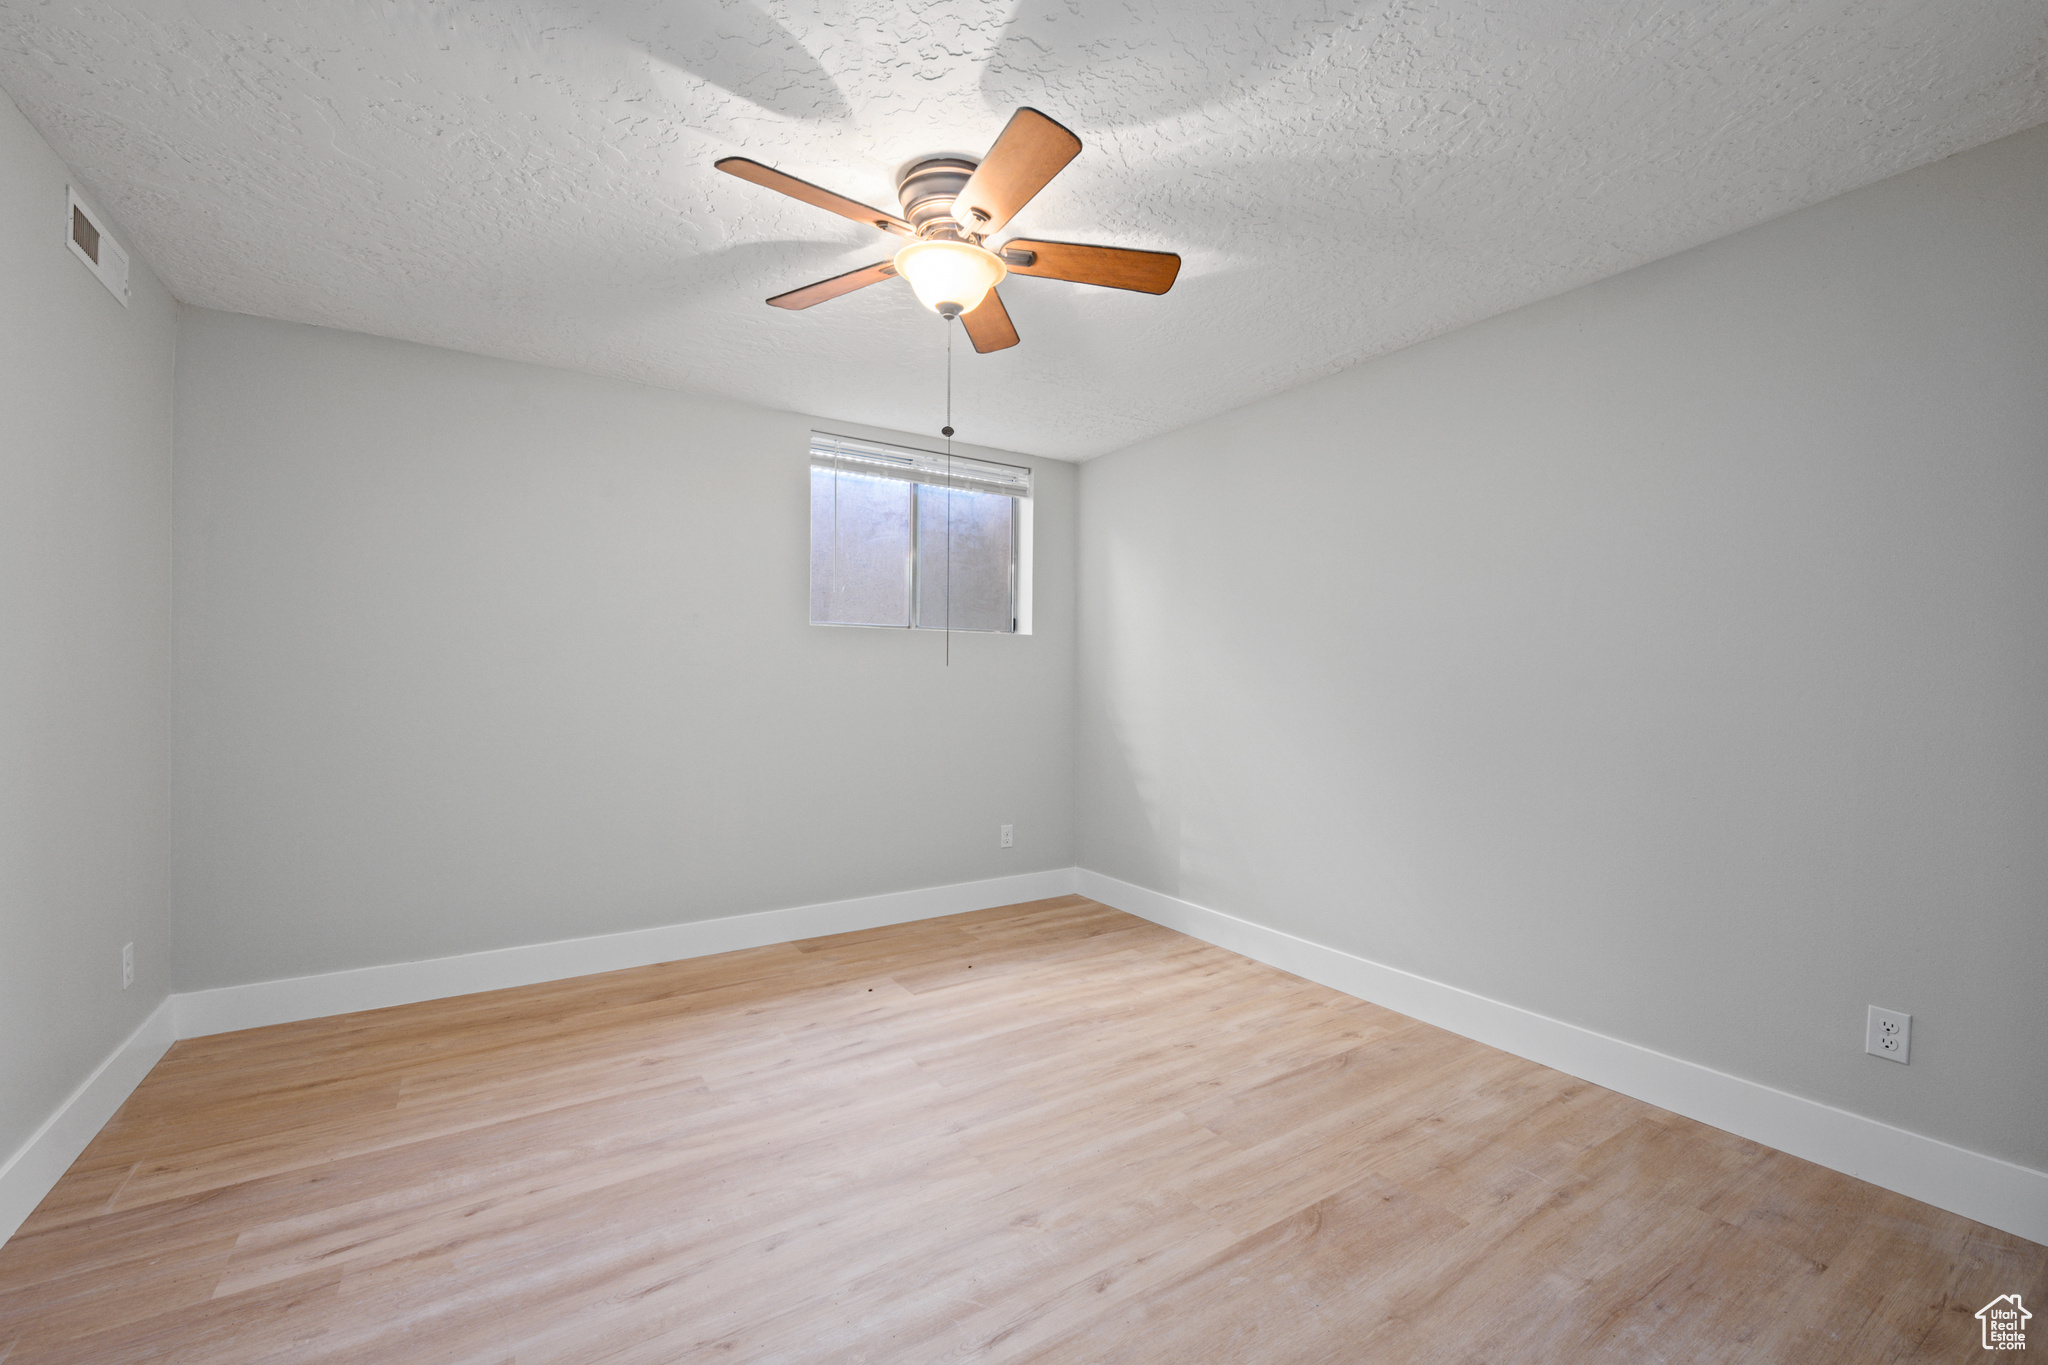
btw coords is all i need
(1046, 682)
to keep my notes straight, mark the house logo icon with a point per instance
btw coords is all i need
(2005, 1323)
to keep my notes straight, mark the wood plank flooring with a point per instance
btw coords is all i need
(1046, 1133)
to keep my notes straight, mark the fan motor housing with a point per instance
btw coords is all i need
(927, 190)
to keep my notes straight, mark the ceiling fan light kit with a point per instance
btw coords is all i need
(951, 206)
(950, 278)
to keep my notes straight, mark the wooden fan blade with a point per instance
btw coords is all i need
(989, 326)
(1031, 151)
(837, 285)
(1115, 267)
(769, 178)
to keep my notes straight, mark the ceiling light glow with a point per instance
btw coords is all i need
(950, 278)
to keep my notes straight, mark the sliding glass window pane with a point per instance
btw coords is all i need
(964, 545)
(860, 550)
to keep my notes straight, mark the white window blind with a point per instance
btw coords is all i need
(848, 455)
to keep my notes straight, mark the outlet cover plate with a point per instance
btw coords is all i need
(1888, 1034)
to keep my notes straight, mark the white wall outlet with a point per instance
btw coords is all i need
(127, 965)
(1888, 1034)
(1008, 838)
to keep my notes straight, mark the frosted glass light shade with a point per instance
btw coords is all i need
(950, 278)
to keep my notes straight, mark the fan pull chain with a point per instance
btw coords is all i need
(947, 432)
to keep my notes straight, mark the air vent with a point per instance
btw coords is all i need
(90, 242)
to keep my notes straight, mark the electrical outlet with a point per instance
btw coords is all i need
(127, 965)
(1008, 838)
(1889, 1035)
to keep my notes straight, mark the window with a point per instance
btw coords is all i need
(906, 538)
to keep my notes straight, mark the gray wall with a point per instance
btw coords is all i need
(85, 518)
(1670, 657)
(474, 653)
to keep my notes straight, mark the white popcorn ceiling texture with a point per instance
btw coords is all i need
(532, 178)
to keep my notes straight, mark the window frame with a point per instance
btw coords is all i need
(1020, 527)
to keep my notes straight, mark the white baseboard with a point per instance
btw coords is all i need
(226, 1008)
(34, 1168)
(2004, 1195)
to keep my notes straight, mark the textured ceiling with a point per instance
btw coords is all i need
(533, 179)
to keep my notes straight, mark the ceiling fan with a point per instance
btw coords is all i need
(951, 206)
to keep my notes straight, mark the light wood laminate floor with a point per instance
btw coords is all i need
(1049, 1132)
